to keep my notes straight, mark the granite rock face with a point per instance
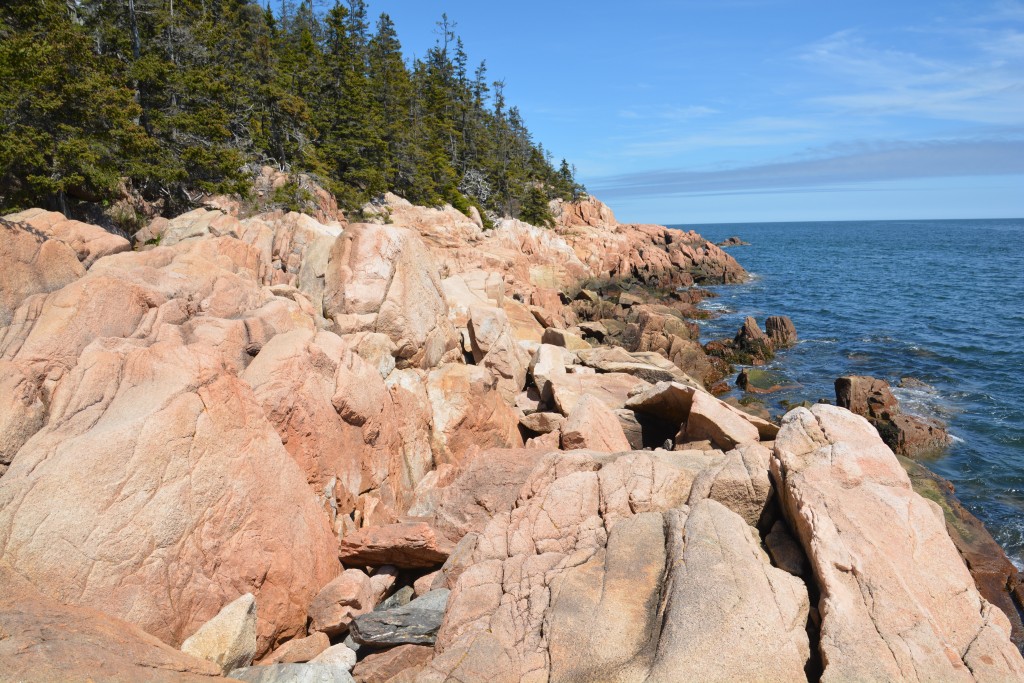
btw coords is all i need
(44, 641)
(592, 541)
(897, 601)
(299, 650)
(406, 544)
(190, 498)
(781, 330)
(382, 279)
(592, 425)
(341, 601)
(329, 420)
(88, 242)
(394, 664)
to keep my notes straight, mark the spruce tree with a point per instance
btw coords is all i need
(70, 127)
(187, 97)
(350, 140)
(391, 100)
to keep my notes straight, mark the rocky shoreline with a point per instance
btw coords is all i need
(294, 448)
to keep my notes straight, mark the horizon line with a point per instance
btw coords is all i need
(844, 220)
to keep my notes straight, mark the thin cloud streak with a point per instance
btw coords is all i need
(885, 82)
(890, 162)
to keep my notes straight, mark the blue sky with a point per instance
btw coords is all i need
(708, 111)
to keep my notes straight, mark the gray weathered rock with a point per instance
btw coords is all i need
(415, 624)
(400, 598)
(293, 673)
(337, 655)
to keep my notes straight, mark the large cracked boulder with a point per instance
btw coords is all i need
(739, 480)
(613, 388)
(897, 602)
(199, 290)
(22, 410)
(647, 365)
(184, 497)
(383, 279)
(601, 572)
(494, 347)
(42, 641)
(488, 485)
(352, 432)
(295, 249)
(699, 415)
(294, 378)
(33, 264)
(89, 242)
(593, 426)
(196, 224)
(469, 414)
(404, 544)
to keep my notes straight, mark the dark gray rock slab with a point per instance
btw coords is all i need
(414, 624)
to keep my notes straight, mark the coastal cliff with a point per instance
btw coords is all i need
(412, 449)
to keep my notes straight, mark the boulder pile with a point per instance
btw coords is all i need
(280, 449)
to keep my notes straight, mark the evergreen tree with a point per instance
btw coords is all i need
(535, 208)
(187, 97)
(391, 97)
(349, 139)
(70, 127)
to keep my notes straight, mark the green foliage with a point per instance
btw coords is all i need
(184, 97)
(68, 125)
(292, 197)
(535, 208)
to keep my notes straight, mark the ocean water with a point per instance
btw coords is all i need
(940, 301)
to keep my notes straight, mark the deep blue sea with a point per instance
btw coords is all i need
(940, 301)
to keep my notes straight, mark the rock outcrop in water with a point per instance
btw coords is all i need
(909, 435)
(752, 345)
(336, 419)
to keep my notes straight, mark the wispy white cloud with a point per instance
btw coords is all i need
(668, 113)
(937, 99)
(1002, 11)
(868, 161)
(984, 86)
(761, 131)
